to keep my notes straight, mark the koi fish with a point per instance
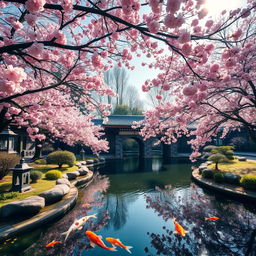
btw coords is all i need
(96, 240)
(179, 229)
(212, 218)
(77, 225)
(51, 244)
(85, 205)
(117, 242)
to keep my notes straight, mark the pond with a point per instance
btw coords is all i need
(136, 201)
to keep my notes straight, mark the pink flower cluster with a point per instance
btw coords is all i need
(97, 61)
(130, 6)
(35, 6)
(11, 79)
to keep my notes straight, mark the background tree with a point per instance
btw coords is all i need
(126, 110)
(53, 55)
(217, 158)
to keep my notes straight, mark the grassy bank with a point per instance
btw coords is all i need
(237, 167)
(37, 188)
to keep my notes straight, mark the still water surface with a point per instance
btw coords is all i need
(136, 201)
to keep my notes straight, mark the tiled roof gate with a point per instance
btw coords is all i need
(119, 128)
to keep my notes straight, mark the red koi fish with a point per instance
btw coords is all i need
(117, 242)
(179, 229)
(51, 244)
(96, 240)
(212, 218)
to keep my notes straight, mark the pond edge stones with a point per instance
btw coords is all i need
(28, 206)
(55, 194)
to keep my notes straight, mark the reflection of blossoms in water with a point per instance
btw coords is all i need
(77, 241)
(233, 235)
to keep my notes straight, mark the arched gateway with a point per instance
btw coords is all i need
(119, 128)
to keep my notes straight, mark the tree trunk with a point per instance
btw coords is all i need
(38, 150)
(3, 121)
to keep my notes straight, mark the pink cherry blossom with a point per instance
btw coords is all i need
(189, 90)
(34, 6)
(31, 19)
(184, 37)
(153, 26)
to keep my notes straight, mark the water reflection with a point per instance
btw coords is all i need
(234, 234)
(136, 200)
(91, 200)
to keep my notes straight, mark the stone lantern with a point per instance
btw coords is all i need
(82, 154)
(7, 141)
(21, 177)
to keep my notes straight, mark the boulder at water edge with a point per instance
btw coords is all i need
(55, 194)
(72, 175)
(29, 206)
(63, 181)
(83, 171)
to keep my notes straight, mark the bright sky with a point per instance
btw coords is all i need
(140, 74)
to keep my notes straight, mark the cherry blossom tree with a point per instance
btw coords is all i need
(53, 54)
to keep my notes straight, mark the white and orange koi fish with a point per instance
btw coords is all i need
(77, 225)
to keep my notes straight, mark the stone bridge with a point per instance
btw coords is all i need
(119, 128)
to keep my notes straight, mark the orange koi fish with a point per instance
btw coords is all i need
(212, 218)
(51, 244)
(117, 242)
(85, 205)
(179, 229)
(96, 240)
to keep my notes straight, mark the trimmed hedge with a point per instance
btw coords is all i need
(209, 148)
(61, 157)
(218, 177)
(208, 174)
(35, 175)
(248, 181)
(40, 161)
(53, 175)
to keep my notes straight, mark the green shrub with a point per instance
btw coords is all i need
(209, 148)
(207, 174)
(35, 175)
(219, 177)
(248, 181)
(9, 195)
(60, 158)
(7, 161)
(53, 175)
(40, 161)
